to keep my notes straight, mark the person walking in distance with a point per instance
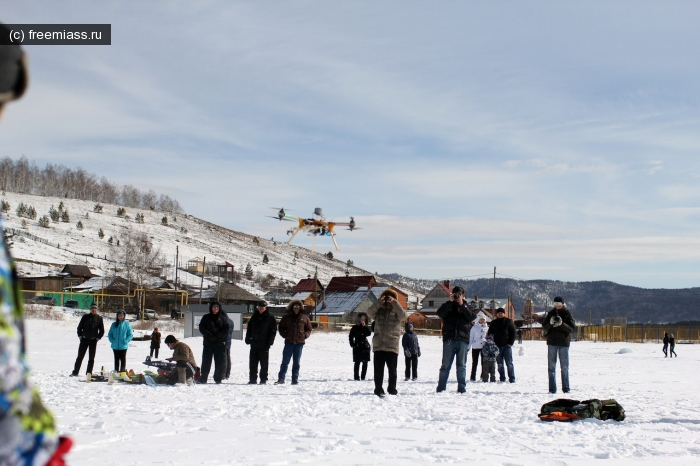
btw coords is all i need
(411, 350)
(295, 328)
(672, 343)
(91, 329)
(260, 335)
(665, 348)
(558, 326)
(503, 331)
(388, 315)
(456, 327)
(155, 343)
(361, 348)
(214, 329)
(477, 337)
(120, 335)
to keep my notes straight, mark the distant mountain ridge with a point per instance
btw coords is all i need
(586, 300)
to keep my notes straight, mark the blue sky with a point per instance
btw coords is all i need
(553, 140)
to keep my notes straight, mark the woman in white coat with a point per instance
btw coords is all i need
(477, 337)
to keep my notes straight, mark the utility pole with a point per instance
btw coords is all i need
(315, 292)
(201, 284)
(494, 290)
(177, 256)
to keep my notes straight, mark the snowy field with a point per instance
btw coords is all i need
(331, 419)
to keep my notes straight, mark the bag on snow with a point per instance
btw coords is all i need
(570, 410)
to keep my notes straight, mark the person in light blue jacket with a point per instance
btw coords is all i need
(119, 336)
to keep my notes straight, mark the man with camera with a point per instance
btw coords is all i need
(456, 325)
(558, 326)
(388, 315)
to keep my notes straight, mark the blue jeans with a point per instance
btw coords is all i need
(505, 353)
(450, 349)
(290, 350)
(563, 352)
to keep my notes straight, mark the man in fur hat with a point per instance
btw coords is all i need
(295, 328)
(388, 316)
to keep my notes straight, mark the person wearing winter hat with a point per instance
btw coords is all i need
(489, 353)
(186, 365)
(214, 329)
(119, 336)
(27, 428)
(411, 350)
(503, 331)
(295, 328)
(90, 330)
(260, 335)
(388, 315)
(456, 324)
(155, 342)
(558, 325)
(477, 336)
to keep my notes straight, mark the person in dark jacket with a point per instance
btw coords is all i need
(227, 348)
(665, 348)
(295, 328)
(90, 330)
(558, 326)
(411, 351)
(361, 348)
(456, 324)
(672, 342)
(503, 331)
(214, 329)
(260, 335)
(155, 342)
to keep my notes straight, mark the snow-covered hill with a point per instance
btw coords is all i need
(42, 251)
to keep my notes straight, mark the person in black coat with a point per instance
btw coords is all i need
(558, 326)
(361, 348)
(665, 348)
(227, 348)
(260, 335)
(90, 330)
(214, 329)
(672, 342)
(456, 326)
(155, 342)
(503, 331)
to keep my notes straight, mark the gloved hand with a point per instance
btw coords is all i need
(555, 321)
(407, 353)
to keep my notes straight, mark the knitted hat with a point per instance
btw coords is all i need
(559, 299)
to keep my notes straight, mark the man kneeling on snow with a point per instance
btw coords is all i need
(186, 364)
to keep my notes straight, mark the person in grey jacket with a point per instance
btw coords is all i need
(388, 315)
(558, 326)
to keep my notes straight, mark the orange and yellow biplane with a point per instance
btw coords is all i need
(315, 226)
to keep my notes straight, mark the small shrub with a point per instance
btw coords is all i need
(65, 216)
(139, 218)
(101, 233)
(98, 208)
(24, 224)
(164, 221)
(5, 206)
(44, 221)
(121, 212)
(79, 225)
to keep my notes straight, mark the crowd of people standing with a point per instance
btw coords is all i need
(383, 322)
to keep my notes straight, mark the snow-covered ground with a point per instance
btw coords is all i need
(331, 419)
